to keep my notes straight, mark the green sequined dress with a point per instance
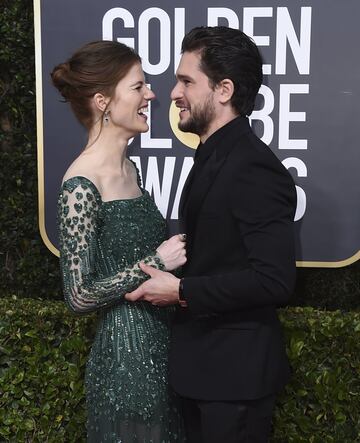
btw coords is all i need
(101, 243)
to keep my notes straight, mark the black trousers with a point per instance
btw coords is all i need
(228, 422)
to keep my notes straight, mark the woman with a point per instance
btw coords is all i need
(108, 224)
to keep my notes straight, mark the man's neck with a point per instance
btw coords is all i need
(217, 123)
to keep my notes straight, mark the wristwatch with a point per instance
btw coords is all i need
(182, 302)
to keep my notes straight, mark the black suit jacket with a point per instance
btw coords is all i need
(237, 210)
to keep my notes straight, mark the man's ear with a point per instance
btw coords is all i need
(100, 101)
(225, 90)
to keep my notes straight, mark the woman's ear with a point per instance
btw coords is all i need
(100, 101)
(226, 90)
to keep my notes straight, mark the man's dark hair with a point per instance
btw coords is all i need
(228, 53)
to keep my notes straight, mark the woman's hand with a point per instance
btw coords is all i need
(172, 252)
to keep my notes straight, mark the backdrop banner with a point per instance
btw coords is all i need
(307, 109)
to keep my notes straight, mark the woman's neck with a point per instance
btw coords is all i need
(109, 147)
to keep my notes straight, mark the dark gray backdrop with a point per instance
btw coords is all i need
(325, 94)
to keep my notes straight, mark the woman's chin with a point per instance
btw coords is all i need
(145, 127)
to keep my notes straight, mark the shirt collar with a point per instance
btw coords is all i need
(204, 150)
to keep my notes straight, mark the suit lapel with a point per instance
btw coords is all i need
(201, 183)
(200, 180)
(185, 193)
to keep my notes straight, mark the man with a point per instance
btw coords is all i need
(227, 358)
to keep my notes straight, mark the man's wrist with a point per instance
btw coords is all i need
(182, 301)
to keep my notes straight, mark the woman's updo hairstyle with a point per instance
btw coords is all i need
(96, 67)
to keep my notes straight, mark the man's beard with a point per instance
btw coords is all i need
(200, 118)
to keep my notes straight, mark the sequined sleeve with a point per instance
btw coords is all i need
(78, 207)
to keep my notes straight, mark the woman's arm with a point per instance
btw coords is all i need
(78, 217)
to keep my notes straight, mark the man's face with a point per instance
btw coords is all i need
(193, 96)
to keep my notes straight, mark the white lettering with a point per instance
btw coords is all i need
(264, 114)
(179, 32)
(301, 169)
(144, 20)
(286, 116)
(248, 28)
(285, 32)
(187, 165)
(107, 25)
(152, 185)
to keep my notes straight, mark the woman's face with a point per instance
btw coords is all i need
(130, 102)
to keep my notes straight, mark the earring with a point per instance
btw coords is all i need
(106, 117)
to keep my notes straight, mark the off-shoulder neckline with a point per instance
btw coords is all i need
(92, 184)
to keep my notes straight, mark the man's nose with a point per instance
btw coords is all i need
(176, 92)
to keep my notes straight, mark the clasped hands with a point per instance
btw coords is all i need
(162, 289)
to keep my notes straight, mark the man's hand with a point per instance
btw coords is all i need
(161, 290)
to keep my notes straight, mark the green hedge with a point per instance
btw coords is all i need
(44, 349)
(322, 402)
(43, 352)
